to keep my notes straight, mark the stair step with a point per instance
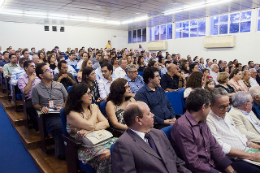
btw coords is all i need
(48, 163)
(7, 105)
(16, 118)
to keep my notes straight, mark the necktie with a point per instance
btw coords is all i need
(151, 142)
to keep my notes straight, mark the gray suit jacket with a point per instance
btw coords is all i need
(131, 154)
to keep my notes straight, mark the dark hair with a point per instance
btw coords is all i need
(86, 72)
(102, 61)
(113, 60)
(237, 65)
(131, 113)
(60, 63)
(5, 52)
(205, 69)
(11, 54)
(26, 63)
(192, 66)
(39, 70)
(235, 71)
(24, 51)
(207, 84)
(160, 58)
(71, 53)
(109, 66)
(234, 61)
(117, 91)
(74, 101)
(183, 63)
(149, 73)
(220, 62)
(250, 62)
(58, 59)
(195, 80)
(139, 61)
(169, 62)
(39, 53)
(244, 67)
(32, 48)
(83, 65)
(49, 58)
(21, 60)
(197, 98)
(151, 63)
(229, 68)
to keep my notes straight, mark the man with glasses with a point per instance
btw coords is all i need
(155, 97)
(25, 83)
(223, 128)
(243, 116)
(252, 79)
(48, 96)
(134, 80)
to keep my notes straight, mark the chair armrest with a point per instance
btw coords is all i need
(13, 93)
(70, 142)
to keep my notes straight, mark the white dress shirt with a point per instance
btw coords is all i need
(253, 82)
(119, 73)
(214, 76)
(141, 134)
(226, 133)
(104, 87)
(79, 64)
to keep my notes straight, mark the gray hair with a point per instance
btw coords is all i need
(121, 59)
(216, 93)
(212, 66)
(129, 67)
(254, 91)
(170, 66)
(34, 56)
(240, 97)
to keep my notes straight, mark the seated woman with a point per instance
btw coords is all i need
(244, 68)
(194, 81)
(83, 118)
(85, 63)
(161, 62)
(223, 80)
(231, 68)
(119, 97)
(185, 67)
(52, 61)
(210, 85)
(153, 63)
(141, 63)
(245, 77)
(89, 77)
(236, 82)
(41, 56)
(114, 62)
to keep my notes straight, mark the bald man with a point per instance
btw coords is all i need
(143, 148)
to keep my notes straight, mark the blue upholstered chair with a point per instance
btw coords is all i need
(71, 150)
(140, 73)
(167, 131)
(69, 88)
(103, 108)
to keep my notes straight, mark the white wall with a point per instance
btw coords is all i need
(21, 35)
(247, 45)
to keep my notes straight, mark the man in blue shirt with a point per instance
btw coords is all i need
(134, 80)
(71, 60)
(4, 61)
(255, 93)
(155, 97)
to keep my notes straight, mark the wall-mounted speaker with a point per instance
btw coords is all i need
(62, 29)
(46, 28)
(54, 28)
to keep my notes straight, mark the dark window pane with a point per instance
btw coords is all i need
(144, 35)
(156, 33)
(139, 35)
(234, 23)
(129, 36)
(169, 31)
(163, 32)
(134, 36)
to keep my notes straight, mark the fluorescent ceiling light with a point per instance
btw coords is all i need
(112, 22)
(127, 21)
(210, 3)
(10, 13)
(141, 18)
(58, 16)
(1, 2)
(33, 14)
(77, 18)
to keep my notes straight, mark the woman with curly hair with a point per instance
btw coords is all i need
(85, 63)
(185, 67)
(194, 81)
(119, 97)
(83, 118)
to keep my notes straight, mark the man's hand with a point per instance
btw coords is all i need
(45, 110)
(255, 157)
(65, 75)
(8, 76)
(58, 108)
(32, 77)
(183, 76)
(1, 70)
(169, 121)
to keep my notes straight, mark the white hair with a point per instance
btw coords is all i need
(240, 98)
(34, 56)
(212, 66)
(254, 91)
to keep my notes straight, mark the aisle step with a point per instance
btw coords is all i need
(7, 105)
(16, 118)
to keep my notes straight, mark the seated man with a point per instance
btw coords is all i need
(35, 59)
(155, 97)
(223, 128)
(255, 93)
(98, 71)
(143, 148)
(50, 94)
(71, 60)
(105, 82)
(4, 61)
(243, 116)
(134, 80)
(192, 139)
(63, 76)
(70, 68)
(252, 79)
(25, 83)
(164, 69)
(8, 68)
(17, 72)
(171, 81)
(120, 71)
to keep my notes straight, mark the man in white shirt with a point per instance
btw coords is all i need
(70, 68)
(214, 72)
(252, 79)
(224, 130)
(120, 71)
(243, 116)
(105, 82)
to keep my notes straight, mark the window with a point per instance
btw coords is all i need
(193, 28)
(169, 31)
(139, 35)
(129, 36)
(134, 36)
(232, 23)
(156, 33)
(258, 28)
(152, 34)
(163, 32)
(144, 35)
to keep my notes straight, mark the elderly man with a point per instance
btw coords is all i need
(252, 79)
(214, 72)
(143, 148)
(134, 80)
(255, 93)
(192, 139)
(155, 97)
(171, 81)
(120, 71)
(223, 128)
(35, 59)
(243, 116)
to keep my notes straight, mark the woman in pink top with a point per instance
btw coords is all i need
(236, 82)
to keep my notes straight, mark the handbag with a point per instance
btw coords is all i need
(96, 138)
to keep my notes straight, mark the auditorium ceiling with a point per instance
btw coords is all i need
(116, 14)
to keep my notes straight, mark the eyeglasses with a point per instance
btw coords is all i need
(127, 86)
(134, 71)
(224, 107)
(89, 94)
(48, 70)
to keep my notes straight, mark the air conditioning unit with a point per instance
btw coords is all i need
(219, 41)
(157, 45)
